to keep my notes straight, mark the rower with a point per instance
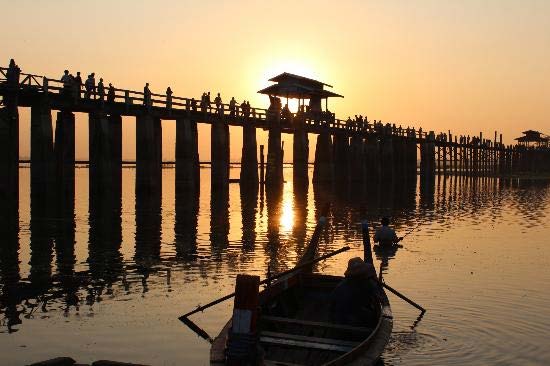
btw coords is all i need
(385, 235)
(352, 301)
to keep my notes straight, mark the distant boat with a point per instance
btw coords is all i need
(294, 327)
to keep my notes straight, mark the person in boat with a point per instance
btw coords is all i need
(385, 235)
(353, 300)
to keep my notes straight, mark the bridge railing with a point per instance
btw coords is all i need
(132, 97)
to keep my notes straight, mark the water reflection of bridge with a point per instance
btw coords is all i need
(52, 228)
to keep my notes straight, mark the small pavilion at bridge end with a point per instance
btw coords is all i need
(532, 138)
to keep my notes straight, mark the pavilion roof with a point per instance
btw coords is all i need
(296, 86)
(288, 77)
(533, 136)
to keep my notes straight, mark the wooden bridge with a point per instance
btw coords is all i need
(346, 151)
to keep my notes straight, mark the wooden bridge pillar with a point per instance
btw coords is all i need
(64, 150)
(148, 192)
(219, 155)
(187, 155)
(105, 196)
(249, 158)
(469, 156)
(444, 153)
(324, 168)
(105, 155)
(148, 155)
(411, 154)
(427, 155)
(372, 159)
(358, 171)
(9, 149)
(387, 153)
(474, 160)
(274, 169)
(341, 157)
(455, 156)
(42, 151)
(300, 149)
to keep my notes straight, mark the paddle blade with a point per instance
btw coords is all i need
(195, 328)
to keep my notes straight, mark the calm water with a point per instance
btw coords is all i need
(109, 283)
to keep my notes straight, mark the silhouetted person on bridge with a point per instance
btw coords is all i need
(111, 94)
(218, 102)
(67, 82)
(285, 113)
(203, 102)
(243, 108)
(208, 102)
(12, 75)
(247, 109)
(348, 123)
(89, 85)
(146, 96)
(77, 84)
(101, 89)
(385, 235)
(169, 98)
(232, 106)
(193, 105)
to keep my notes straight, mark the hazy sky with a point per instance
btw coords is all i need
(467, 66)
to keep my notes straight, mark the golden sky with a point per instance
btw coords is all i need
(467, 66)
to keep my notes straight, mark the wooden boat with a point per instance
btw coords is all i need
(294, 326)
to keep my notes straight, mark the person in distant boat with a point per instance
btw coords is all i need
(353, 300)
(385, 235)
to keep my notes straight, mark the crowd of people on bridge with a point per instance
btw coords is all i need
(72, 86)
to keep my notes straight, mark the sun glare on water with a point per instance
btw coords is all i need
(287, 213)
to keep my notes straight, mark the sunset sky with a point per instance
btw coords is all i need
(467, 66)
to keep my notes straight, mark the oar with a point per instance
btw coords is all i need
(203, 334)
(401, 296)
(368, 259)
(267, 280)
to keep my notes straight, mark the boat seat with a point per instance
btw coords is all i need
(279, 363)
(334, 326)
(293, 340)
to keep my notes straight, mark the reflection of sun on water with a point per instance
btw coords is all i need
(287, 213)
